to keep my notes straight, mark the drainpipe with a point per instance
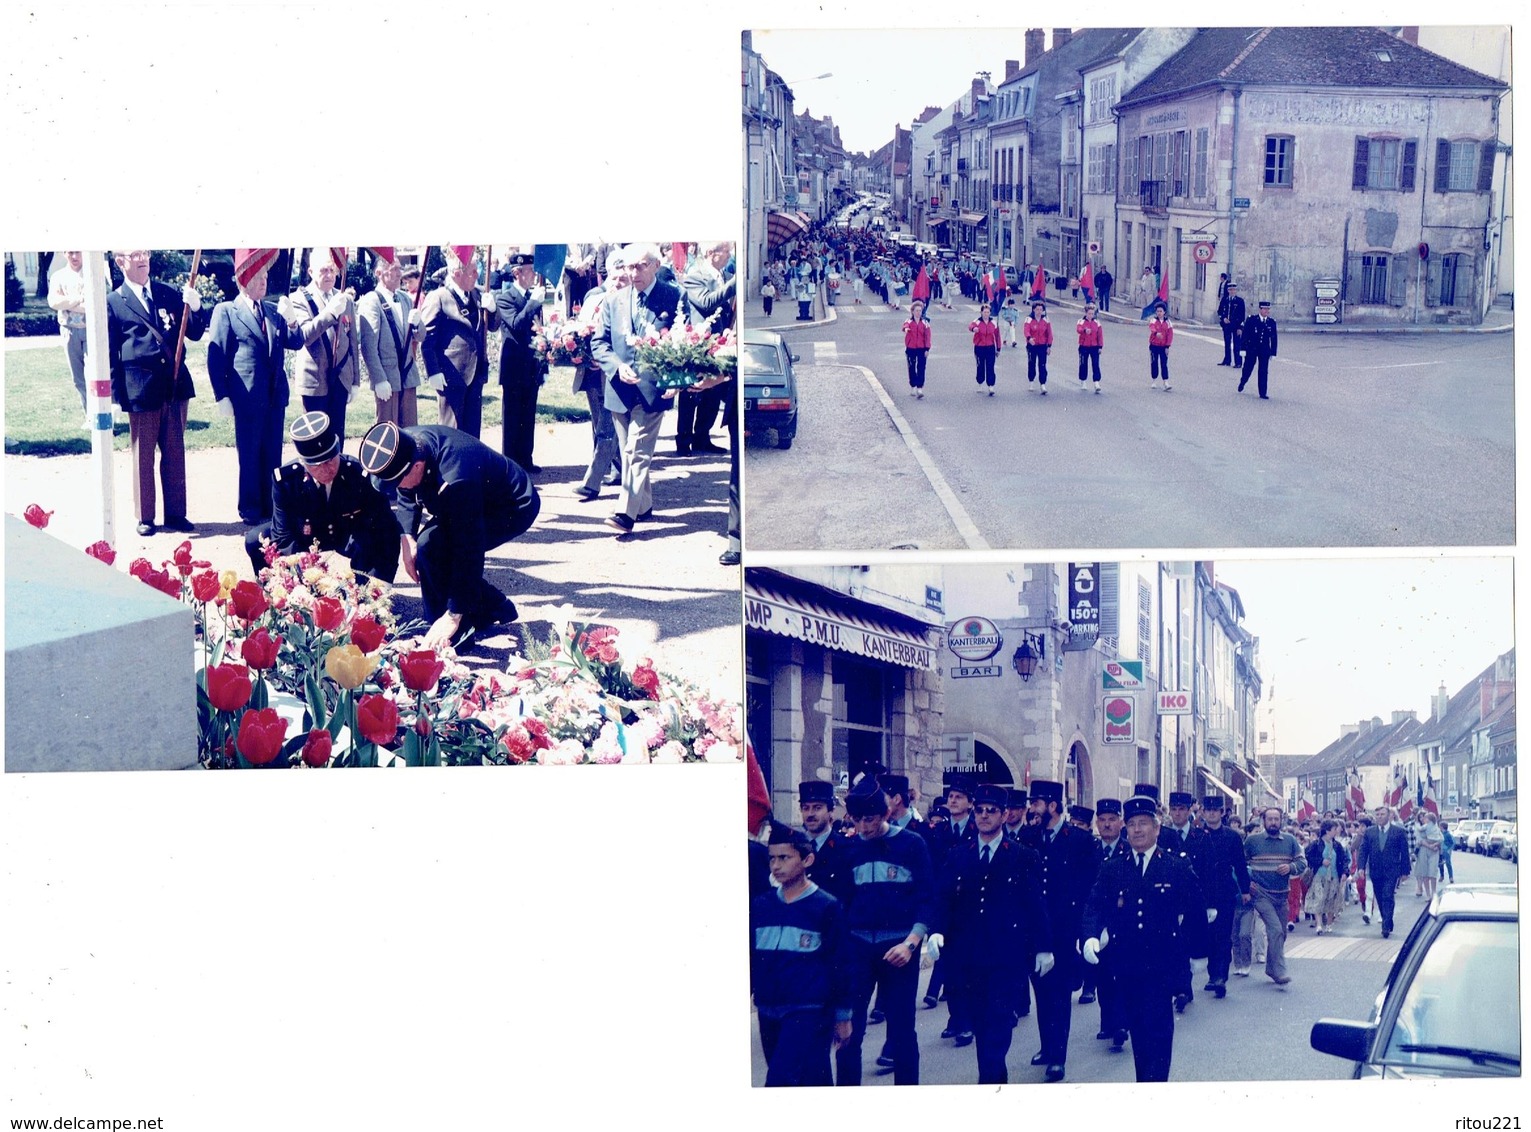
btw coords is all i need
(1233, 183)
(1424, 195)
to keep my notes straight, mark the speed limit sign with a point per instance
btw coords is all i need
(1203, 252)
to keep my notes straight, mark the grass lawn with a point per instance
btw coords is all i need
(42, 413)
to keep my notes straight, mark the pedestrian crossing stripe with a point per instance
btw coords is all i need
(1343, 947)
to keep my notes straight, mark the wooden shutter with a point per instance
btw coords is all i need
(1433, 274)
(1399, 270)
(1486, 167)
(1353, 281)
(1442, 165)
(1358, 170)
(1406, 166)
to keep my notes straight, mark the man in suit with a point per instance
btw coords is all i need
(1259, 346)
(606, 459)
(456, 320)
(519, 303)
(1230, 315)
(1110, 843)
(637, 403)
(1134, 923)
(388, 331)
(143, 320)
(1069, 866)
(1384, 856)
(327, 368)
(325, 497)
(991, 926)
(246, 355)
(458, 499)
(710, 295)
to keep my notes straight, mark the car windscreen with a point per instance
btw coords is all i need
(1461, 1010)
(759, 359)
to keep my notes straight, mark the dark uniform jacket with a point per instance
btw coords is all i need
(471, 493)
(354, 518)
(1119, 849)
(1217, 856)
(141, 347)
(1146, 916)
(519, 363)
(1069, 868)
(1230, 311)
(828, 870)
(1259, 337)
(993, 916)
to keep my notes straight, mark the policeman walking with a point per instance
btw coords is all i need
(325, 497)
(1217, 855)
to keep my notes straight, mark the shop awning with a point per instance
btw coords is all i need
(834, 625)
(783, 226)
(974, 218)
(1220, 784)
(1269, 789)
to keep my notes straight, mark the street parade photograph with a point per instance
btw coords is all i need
(1099, 822)
(1128, 287)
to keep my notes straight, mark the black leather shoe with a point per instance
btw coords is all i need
(709, 446)
(929, 1000)
(683, 450)
(731, 558)
(949, 1032)
(1038, 1059)
(964, 1039)
(1118, 1040)
(884, 1070)
(146, 529)
(620, 523)
(1220, 991)
(1181, 1002)
(885, 1061)
(587, 494)
(646, 516)
(1054, 1073)
(182, 525)
(875, 1018)
(1086, 998)
(1102, 1035)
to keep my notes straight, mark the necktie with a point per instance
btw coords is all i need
(1142, 863)
(260, 317)
(985, 854)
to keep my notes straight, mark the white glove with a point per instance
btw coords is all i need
(436, 381)
(416, 318)
(383, 392)
(190, 297)
(337, 305)
(538, 293)
(225, 407)
(1105, 937)
(1090, 951)
(1044, 963)
(1211, 914)
(933, 944)
(356, 391)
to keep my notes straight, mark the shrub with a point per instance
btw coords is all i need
(33, 324)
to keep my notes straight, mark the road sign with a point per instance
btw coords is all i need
(1203, 252)
(1240, 202)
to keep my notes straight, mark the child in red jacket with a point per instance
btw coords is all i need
(1092, 336)
(916, 347)
(1039, 340)
(985, 346)
(1160, 335)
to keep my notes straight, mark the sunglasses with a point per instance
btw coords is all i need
(987, 810)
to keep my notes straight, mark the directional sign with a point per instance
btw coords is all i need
(1121, 675)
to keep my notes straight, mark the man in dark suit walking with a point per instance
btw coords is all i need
(521, 371)
(456, 320)
(1259, 345)
(1230, 314)
(143, 320)
(1384, 856)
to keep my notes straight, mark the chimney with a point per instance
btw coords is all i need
(1012, 68)
(1438, 707)
(1400, 716)
(1061, 36)
(1348, 729)
(1486, 696)
(749, 40)
(1409, 35)
(979, 90)
(1034, 37)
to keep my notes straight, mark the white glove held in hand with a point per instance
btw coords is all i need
(356, 391)
(383, 392)
(1211, 914)
(337, 305)
(436, 382)
(225, 407)
(1044, 963)
(537, 294)
(933, 945)
(190, 297)
(1090, 951)
(415, 317)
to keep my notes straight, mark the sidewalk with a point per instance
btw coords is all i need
(662, 587)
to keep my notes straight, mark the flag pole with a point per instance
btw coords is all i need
(180, 339)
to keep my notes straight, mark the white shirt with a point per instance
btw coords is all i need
(66, 295)
(391, 307)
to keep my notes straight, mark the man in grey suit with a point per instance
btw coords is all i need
(456, 320)
(246, 354)
(590, 380)
(388, 330)
(1384, 855)
(327, 367)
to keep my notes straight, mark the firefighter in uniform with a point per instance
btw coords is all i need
(1111, 843)
(1217, 855)
(325, 497)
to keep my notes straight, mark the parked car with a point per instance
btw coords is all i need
(1451, 1004)
(1501, 840)
(770, 389)
(1469, 834)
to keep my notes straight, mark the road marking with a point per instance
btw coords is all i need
(1344, 947)
(1400, 365)
(954, 509)
(826, 353)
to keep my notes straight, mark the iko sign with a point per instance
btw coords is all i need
(1121, 675)
(974, 638)
(1174, 703)
(1121, 717)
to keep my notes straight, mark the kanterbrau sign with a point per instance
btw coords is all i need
(835, 629)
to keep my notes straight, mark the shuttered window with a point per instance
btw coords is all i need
(1384, 163)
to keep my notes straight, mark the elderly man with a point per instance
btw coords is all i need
(328, 367)
(519, 304)
(246, 356)
(389, 333)
(710, 295)
(325, 497)
(456, 320)
(591, 381)
(637, 403)
(66, 295)
(143, 320)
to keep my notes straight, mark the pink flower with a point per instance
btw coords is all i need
(37, 516)
(102, 551)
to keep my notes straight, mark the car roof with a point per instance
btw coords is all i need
(762, 337)
(1476, 900)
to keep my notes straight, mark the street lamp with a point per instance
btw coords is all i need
(1033, 648)
(814, 78)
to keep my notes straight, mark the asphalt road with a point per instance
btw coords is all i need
(1259, 1032)
(1367, 440)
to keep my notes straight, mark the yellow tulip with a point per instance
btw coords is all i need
(226, 583)
(348, 666)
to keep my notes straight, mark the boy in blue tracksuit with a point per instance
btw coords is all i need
(797, 933)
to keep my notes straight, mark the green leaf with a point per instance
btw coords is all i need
(315, 697)
(412, 752)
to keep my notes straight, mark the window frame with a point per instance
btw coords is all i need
(1285, 152)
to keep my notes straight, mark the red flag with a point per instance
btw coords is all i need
(1355, 804)
(1405, 801)
(1003, 285)
(1429, 801)
(988, 285)
(678, 258)
(1039, 282)
(1087, 281)
(1164, 289)
(759, 796)
(921, 285)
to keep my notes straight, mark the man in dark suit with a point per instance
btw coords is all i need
(605, 468)
(143, 320)
(1217, 855)
(455, 320)
(816, 804)
(633, 395)
(246, 356)
(1259, 346)
(1230, 315)
(458, 499)
(1134, 922)
(325, 497)
(991, 925)
(519, 303)
(1069, 866)
(1384, 856)
(1110, 844)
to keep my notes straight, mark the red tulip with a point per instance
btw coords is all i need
(316, 748)
(260, 649)
(184, 563)
(140, 568)
(102, 551)
(205, 586)
(228, 686)
(37, 516)
(162, 581)
(247, 601)
(377, 718)
(646, 680)
(420, 670)
(261, 734)
(367, 634)
(329, 614)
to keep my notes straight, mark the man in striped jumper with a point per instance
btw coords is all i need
(1273, 857)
